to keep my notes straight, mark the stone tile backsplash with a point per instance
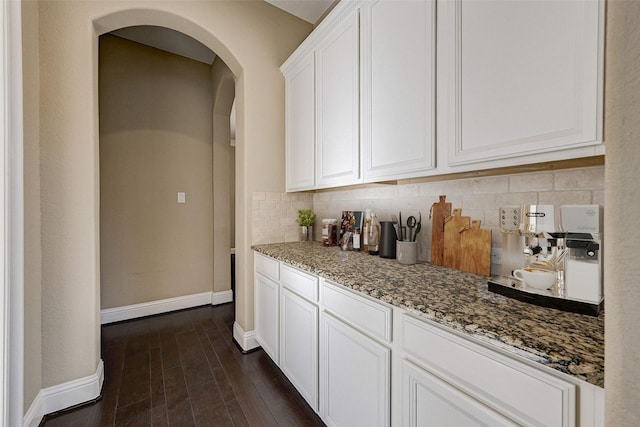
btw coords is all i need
(274, 216)
(275, 213)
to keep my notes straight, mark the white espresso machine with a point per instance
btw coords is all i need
(566, 241)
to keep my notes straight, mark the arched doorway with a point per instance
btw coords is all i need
(253, 39)
(166, 175)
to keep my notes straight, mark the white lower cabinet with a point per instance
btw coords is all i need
(266, 294)
(299, 344)
(430, 401)
(354, 377)
(340, 349)
(516, 391)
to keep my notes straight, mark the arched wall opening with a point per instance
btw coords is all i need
(157, 126)
(253, 39)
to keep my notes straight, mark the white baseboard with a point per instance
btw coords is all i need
(246, 340)
(221, 297)
(150, 308)
(63, 396)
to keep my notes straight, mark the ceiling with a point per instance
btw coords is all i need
(308, 10)
(181, 44)
(168, 40)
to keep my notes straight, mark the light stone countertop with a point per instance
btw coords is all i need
(568, 342)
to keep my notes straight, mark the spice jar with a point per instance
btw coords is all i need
(329, 232)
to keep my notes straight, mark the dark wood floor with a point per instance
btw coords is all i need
(182, 369)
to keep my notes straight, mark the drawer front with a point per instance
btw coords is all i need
(266, 266)
(519, 391)
(303, 284)
(369, 316)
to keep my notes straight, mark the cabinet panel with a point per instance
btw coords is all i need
(370, 316)
(354, 377)
(300, 131)
(527, 395)
(337, 105)
(301, 283)
(299, 345)
(266, 266)
(523, 78)
(398, 88)
(429, 401)
(266, 297)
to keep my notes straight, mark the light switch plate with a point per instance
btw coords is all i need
(496, 256)
(182, 197)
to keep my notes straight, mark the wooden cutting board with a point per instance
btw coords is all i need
(453, 226)
(439, 212)
(475, 249)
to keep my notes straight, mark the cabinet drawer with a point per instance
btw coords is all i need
(303, 284)
(369, 316)
(266, 266)
(517, 390)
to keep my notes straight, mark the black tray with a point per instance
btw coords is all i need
(548, 301)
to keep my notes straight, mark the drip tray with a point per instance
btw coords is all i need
(513, 289)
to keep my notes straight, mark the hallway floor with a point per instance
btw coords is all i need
(182, 369)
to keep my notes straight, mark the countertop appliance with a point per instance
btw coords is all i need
(567, 242)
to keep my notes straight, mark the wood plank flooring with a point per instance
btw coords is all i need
(182, 369)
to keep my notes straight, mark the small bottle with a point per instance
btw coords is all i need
(374, 235)
(365, 230)
(329, 232)
(356, 240)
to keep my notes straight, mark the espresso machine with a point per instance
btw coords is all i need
(530, 238)
(583, 264)
(564, 245)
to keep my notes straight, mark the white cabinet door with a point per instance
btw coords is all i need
(429, 401)
(300, 131)
(524, 78)
(266, 294)
(299, 344)
(398, 57)
(354, 377)
(337, 105)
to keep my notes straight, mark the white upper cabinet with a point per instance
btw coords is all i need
(523, 79)
(398, 82)
(337, 104)
(300, 118)
(411, 88)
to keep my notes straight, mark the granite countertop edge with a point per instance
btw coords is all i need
(567, 342)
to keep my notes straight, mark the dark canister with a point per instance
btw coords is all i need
(388, 239)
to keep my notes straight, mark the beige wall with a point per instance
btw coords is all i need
(32, 251)
(252, 38)
(622, 293)
(155, 140)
